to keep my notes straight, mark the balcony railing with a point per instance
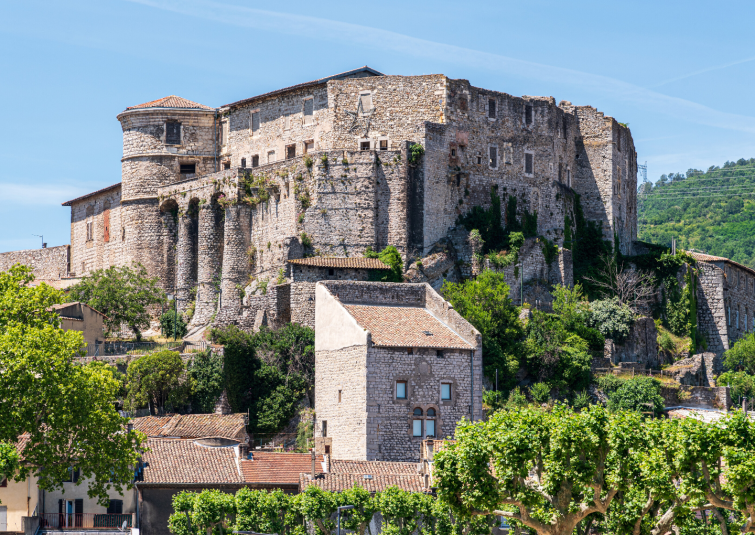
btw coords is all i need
(86, 521)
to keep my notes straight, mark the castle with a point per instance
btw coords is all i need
(241, 209)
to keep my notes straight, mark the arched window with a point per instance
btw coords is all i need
(417, 412)
(431, 413)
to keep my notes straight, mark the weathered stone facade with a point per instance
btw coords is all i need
(362, 412)
(50, 263)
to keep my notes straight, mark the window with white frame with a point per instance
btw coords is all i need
(309, 110)
(400, 389)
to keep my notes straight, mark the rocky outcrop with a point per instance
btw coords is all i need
(641, 345)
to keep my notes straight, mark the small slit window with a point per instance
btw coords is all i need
(324, 428)
(309, 110)
(400, 389)
(243, 163)
(528, 163)
(256, 160)
(255, 121)
(493, 157)
(188, 168)
(491, 108)
(172, 133)
(339, 396)
(290, 152)
(528, 114)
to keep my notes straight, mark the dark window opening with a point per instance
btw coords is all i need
(491, 108)
(453, 152)
(458, 180)
(243, 163)
(493, 157)
(410, 351)
(290, 152)
(565, 126)
(479, 159)
(364, 145)
(560, 167)
(528, 114)
(331, 272)
(4, 482)
(256, 160)
(327, 450)
(255, 121)
(431, 413)
(324, 428)
(115, 507)
(226, 165)
(189, 168)
(439, 353)
(383, 144)
(528, 163)
(172, 133)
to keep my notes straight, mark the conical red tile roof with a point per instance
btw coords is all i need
(171, 101)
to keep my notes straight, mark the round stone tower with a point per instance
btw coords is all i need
(165, 141)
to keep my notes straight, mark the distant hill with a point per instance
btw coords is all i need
(712, 211)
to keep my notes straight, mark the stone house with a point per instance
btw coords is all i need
(216, 201)
(394, 364)
(725, 302)
(81, 317)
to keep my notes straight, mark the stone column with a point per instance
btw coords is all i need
(237, 237)
(169, 251)
(186, 256)
(210, 257)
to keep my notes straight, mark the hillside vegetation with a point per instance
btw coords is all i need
(711, 211)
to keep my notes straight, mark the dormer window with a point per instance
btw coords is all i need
(172, 133)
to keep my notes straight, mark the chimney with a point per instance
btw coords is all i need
(325, 464)
(243, 450)
(313, 462)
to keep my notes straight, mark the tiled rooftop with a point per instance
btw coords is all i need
(171, 101)
(192, 425)
(343, 263)
(373, 467)
(405, 327)
(278, 468)
(174, 461)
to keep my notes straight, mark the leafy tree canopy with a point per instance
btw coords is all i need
(641, 394)
(157, 380)
(612, 319)
(124, 294)
(205, 373)
(742, 355)
(66, 410)
(391, 257)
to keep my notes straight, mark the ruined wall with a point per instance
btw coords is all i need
(50, 263)
(711, 306)
(97, 233)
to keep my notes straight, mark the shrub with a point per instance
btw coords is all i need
(541, 392)
(391, 257)
(170, 321)
(612, 318)
(416, 152)
(610, 383)
(306, 241)
(581, 400)
(635, 395)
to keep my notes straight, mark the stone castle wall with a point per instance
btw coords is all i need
(50, 263)
(98, 233)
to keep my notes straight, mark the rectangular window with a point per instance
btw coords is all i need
(383, 144)
(286, 121)
(188, 168)
(430, 428)
(172, 133)
(255, 121)
(256, 160)
(560, 167)
(439, 353)
(339, 396)
(528, 163)
(290, 152)
(528, 114)
(115, 507)
(309, 146)
(226, 165)
(271, 156)
(324, 428)
(400, 389)
(445, 391)
(493, 157)
(365, 102)
(309, 111)
(479, 159)
(90, 231)
(417, 428)
(224, 133)
(491, 108)
(243, 163)
(364, 145)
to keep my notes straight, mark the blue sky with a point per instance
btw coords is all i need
(680, 73)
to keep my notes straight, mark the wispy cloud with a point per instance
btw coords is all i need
(38, 194)
(703, 71)
(385, 40)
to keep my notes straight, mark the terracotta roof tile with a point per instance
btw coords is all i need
(356, 262)
(367, 69)
(103, 190)
(372, 467)
(405, 327)
(171, 101)
(190, 426)
(702, 257)
(336, 482)
(278, 468)
(184, 461)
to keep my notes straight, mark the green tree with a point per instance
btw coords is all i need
(317, 506)
(612, 319)
(391, 257)
(550, 469)
(209, 512)
(205, 373)
(263, 512)
(172, 325)
(741, 357)
(157, 380)
(124, 294)
(65, 410)
(485, 303)
(640, 394)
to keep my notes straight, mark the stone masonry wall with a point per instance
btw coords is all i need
(739, 298)
(378, 293)
(104, 246)
(50, 263)
(711, 306)
(303, 303)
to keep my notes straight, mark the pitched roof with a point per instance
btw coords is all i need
(278, 468)
(356, 262)
(338, 482)
(103, 190)
(372, 467)
(393, 326)
(171, 101)
(346, 74)
(63, 307)
(174, 461)
(189, 426)
(702, 257)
